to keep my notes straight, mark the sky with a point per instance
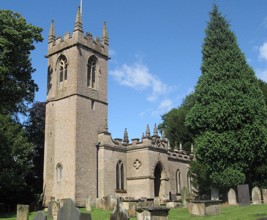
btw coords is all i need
(155, 48)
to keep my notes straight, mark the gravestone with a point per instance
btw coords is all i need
(22, 212)
(243, 194)
(214, 193)
(85, 216)
(119, 212)
(131, 210)
(264, 195)
(256, 195)
(184, 196)
(88, 204)
(231, 195)
(53, 208)
(68, 211)
(156, 201)
(40, 216)
(153, 213)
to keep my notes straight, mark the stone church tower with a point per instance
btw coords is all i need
(76, 111)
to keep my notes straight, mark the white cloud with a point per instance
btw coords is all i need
(138, 77)
(164, 106)
(263, 51)
(262, 74)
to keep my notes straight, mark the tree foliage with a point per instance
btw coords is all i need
(16, 41)
(228, 118)
(35, 130)
(14, 164)
(17, 90)
(174, 125)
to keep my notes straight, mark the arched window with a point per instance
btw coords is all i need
(119, 176)
(178, 182)
(91, 72)
(59, 169)
(189, 186)
(63, 68)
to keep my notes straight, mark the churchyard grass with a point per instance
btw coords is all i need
(251, 212)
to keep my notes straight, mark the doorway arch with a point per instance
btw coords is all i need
(157, 179)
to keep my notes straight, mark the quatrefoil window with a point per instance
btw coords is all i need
(137, 164)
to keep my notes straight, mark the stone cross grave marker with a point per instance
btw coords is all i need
(243, 194)
(40, 216)
(22, 212)
(256, 195)
(231, 195)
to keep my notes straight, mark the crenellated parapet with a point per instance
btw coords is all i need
(154, 142)
(78, 38)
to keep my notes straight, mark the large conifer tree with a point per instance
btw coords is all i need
(229, 115)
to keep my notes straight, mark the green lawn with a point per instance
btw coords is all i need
(251, 212)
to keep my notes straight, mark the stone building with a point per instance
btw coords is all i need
(81, 158)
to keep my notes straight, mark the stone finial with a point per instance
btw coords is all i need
(155, 131)
(105, 38)
(143, 136)
(125, 137)
(147, 131)
(78, 21)
(51, 36)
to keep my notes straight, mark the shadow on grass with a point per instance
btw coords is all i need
(8, 215)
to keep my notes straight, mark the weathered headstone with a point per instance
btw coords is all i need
(40, 216)
(231, 195)
(119, 213)
(22, 212)
(88, 204)
(264, 195)
(157, 201)
(214, 193)
(131, 210)
(85, 216)
(184, 196)
(243, 194)
(256, 195)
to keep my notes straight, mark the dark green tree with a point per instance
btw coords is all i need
(263, 87)
(16, 41)
(35, 130)
(228, 119)
(173, 124)
(15, 165)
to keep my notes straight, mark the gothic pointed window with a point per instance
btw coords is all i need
(178, 182)
(189, 180)
(63, 68)
(91, 72)
(119, 176)
(59, 169)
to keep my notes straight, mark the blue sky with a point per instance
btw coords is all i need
(155, 48)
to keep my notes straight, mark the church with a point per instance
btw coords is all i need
(81, 157)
